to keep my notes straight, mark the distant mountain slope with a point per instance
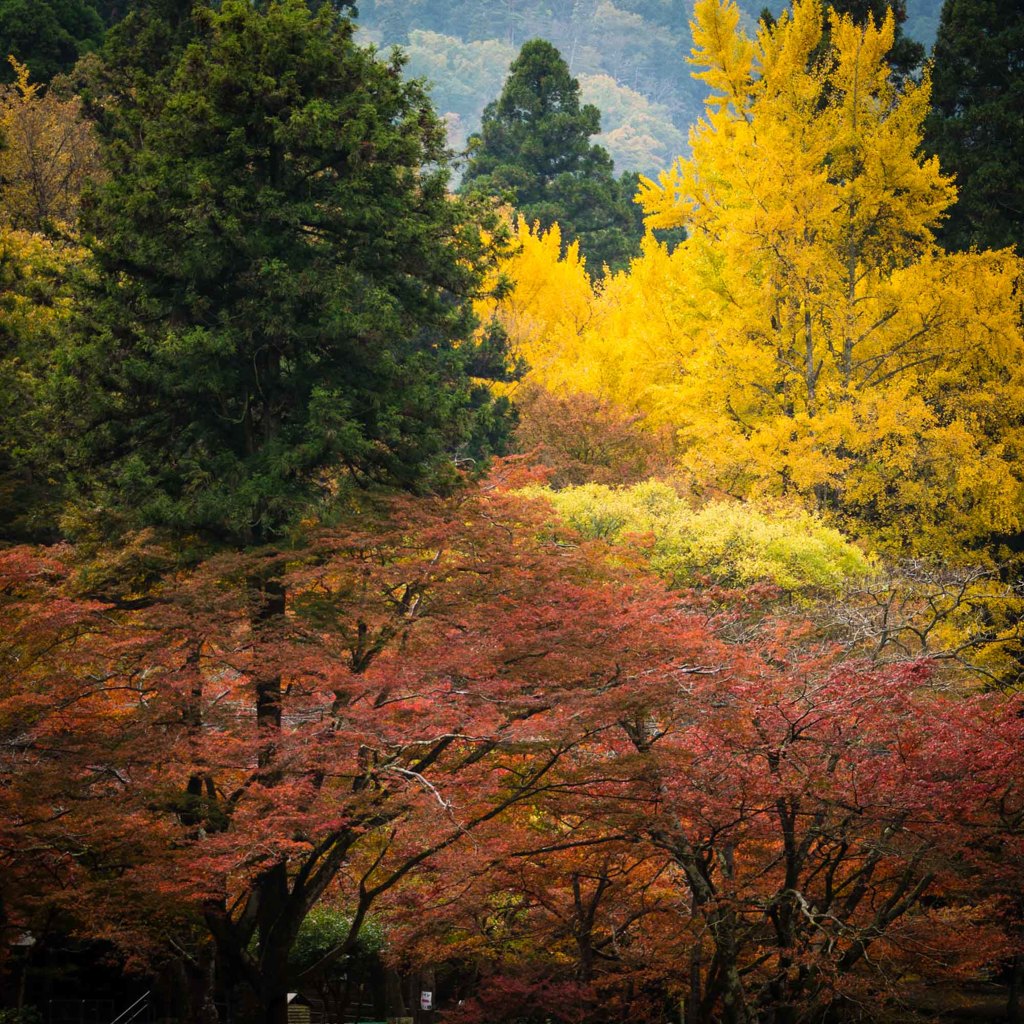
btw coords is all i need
(629, 55)
(638, 131)
(923, 20)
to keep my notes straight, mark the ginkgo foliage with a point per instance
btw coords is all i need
(810, 339)
(48, 156)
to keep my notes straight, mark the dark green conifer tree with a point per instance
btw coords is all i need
(47, 35)
(977, 122)
(534, 147)
(282, 286)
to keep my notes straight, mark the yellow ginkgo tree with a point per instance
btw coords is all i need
(827, 347)
(809, 340)
(49, 153)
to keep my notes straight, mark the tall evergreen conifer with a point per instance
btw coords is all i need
(283, 285)
(977, 123)
(534, 145)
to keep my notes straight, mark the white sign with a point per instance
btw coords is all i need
(426, 1000)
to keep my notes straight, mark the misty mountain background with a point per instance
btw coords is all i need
(629, 57)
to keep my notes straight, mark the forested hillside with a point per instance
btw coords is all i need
(923, 20)
(629, 56)
(552, 596)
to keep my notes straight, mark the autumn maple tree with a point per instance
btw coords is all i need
(771, 831)
(417, 680)
(807, 896)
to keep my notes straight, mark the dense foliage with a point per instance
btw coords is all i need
(48, 35)
(722, 543)
(534, 146)
(284, 284)
(906, 53)
(974, 126)
(811, 340)
(703, 707)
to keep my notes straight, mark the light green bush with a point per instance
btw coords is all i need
(727, 543)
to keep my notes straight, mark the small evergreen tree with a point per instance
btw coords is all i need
(534, 147)
(976, 127)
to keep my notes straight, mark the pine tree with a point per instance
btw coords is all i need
(534, 144)
(977, 122)
(283, 286)
(47, 35)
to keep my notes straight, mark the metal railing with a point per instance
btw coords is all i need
(136, 1010)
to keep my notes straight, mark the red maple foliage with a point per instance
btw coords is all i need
(252, 732)
(777, 834)
(454, 693)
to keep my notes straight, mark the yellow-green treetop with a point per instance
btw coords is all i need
(48, 154)
(726, 543)
(35, 308)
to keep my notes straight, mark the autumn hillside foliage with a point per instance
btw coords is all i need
(386, 607)
(809, 340)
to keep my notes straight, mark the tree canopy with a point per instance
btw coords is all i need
(48, 35)
(704, 706)
(975, 123)
(534, 144)
(284, 285)
(809, 338)
(906, 53)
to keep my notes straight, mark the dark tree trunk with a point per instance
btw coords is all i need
(267, 616)
(393, 994)
(202, 1002)
(378, 995)
(1013, 1014)
(275, 925)
(696, 983)
(275, 936)
(275, 1007)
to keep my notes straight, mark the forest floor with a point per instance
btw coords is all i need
(960, 1003)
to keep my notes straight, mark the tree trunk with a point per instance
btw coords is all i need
(266, 614)
(696, 973)
(425, 982)
(275, 937)
(1013, 1014)
(377, 982)
(393, 994)
(203, 1004)
(275, 931)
